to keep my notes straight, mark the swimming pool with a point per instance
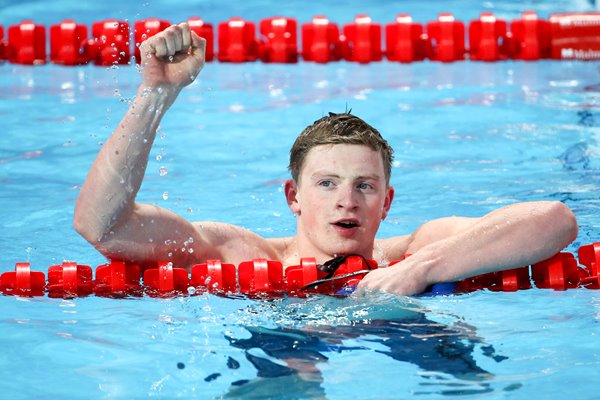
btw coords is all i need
(468, 137)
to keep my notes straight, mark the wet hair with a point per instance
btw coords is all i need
(343, 128)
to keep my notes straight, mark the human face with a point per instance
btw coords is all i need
(340, 199)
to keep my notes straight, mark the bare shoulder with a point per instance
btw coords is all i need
(391, 249)
(234, 244)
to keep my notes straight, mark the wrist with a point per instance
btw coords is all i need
(157, 98)
(428, 267)
(159, 91)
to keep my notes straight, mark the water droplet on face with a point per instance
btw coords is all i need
(171, 58)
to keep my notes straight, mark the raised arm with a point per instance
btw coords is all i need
(455, 248)
(106, 213)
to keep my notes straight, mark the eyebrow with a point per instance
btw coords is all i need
(320, 174)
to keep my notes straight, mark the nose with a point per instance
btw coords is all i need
(347, 197)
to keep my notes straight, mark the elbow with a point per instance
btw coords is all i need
(565, 222)
(81, 224)
(85, 224)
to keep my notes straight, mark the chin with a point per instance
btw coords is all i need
(350, 248)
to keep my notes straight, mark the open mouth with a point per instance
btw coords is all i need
(347, 224)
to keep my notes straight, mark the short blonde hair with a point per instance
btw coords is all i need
(339, 129)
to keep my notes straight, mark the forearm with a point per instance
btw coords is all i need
(109, 191)
(510, 237)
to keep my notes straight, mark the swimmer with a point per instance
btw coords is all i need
(339, 192)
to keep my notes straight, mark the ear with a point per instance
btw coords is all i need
(291, 195)
(387, 203)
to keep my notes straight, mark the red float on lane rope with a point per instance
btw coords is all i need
(27, 43)
(215, 277)
(447, 39)
(405, 40)
(362, 41)
(589, 256)
(118, 279)
(279, 40)
(530, 37)
(166, 281)
(70, 280)
(23, 281)
(110, 45)
(487, 38)
(261, 277)
(2, 44)
(321, 41)
(69, 44)
(298, 276)
(559, 272)
(237, 41)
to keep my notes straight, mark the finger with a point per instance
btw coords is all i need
(159, 45)
(186, 39)
(197, 41)
(198, 45)
(170, 36)
(178, 39)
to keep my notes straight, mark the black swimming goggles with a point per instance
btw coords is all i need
(331, 266)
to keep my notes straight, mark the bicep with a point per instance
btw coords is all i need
(438, 229)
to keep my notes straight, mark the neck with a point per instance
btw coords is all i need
(303, 246)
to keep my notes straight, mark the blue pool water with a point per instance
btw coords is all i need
(469, 137)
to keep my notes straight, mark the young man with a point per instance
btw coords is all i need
(339, 193)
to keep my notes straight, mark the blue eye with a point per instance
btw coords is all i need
(364, 186)
(325, 183)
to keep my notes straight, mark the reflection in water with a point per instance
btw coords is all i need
(287, 359)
